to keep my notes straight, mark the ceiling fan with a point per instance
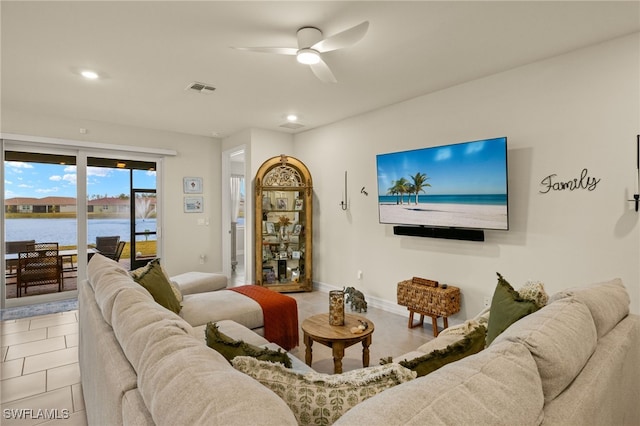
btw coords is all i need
(311, 46)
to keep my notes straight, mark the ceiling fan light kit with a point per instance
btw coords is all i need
(311, 46)
(308, 56)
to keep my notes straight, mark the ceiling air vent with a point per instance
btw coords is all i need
(200, 87)
(293, 126)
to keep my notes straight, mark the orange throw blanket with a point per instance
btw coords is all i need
(280, 314)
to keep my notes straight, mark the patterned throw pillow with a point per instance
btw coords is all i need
(320, 399)
(534, 291)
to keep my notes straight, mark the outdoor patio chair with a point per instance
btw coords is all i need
(14, 247)
(107, 246)
(40, 266)
(116, 256)
(42, 246)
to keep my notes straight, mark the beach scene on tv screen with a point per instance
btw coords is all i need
(462, 185)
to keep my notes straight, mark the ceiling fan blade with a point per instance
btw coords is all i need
(291, 51)
(322, 71)
(342, 39)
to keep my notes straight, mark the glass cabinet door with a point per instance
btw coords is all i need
(283, 225)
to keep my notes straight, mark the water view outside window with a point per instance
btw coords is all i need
(41, 206)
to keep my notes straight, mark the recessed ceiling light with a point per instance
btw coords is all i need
(89, 75)
(292, 117)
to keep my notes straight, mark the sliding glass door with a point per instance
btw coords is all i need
(40, 206)
(121, 209)
(72, 201)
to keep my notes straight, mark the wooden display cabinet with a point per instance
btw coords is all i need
(283, 226)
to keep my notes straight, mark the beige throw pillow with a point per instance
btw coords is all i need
(320, 399)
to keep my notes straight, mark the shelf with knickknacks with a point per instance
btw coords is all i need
(283, 203)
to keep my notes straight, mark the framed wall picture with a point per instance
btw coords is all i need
(297, 229)
(298, 204)
(193, 205)
(192, 185)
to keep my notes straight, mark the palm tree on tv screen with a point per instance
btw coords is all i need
(419, 183)
(400, 187)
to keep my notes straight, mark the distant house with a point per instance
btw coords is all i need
(40, 205)
(68, 205)
(109, 205)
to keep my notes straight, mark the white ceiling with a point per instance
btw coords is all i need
(149, 51)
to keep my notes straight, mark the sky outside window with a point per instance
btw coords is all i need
(38, 180)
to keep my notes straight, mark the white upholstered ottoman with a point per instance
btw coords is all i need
(199, 282)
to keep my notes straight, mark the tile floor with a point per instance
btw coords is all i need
(39, 359)
(39, 371)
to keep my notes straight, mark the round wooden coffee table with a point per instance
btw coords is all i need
(318, 329)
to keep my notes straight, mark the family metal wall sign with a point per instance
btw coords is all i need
(584, 182)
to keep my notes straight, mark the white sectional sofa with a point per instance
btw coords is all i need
(574, 362)
(141, 364)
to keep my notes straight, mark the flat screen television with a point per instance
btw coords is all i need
(462, 185)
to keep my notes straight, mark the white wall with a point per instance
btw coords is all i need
(575, 111)
(199, 156)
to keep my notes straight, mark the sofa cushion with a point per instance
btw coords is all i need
(606, 390)
(171, 363)
(230, 348)
(108, 279)
(134, 317)
(608, 302)
(156, 282)
(507, 307)
(561, 337)
(199, 282)
(498, 386)
(470, 344)
(98, 265)
(134, 412)
(102, 363)
(317, 398)
(214, 306)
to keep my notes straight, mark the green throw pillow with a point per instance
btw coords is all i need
(230, 348)
(471, 344)
(507, 307)
(156, 283)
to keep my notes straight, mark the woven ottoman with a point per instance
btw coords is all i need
(199, 282)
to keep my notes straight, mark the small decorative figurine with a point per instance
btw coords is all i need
(356, 298)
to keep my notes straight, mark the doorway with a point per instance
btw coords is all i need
(60, 195)
(235, 217)
(125, 212)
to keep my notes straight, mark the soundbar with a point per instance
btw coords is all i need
(447, 233)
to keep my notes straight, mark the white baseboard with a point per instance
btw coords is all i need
(375, 302)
